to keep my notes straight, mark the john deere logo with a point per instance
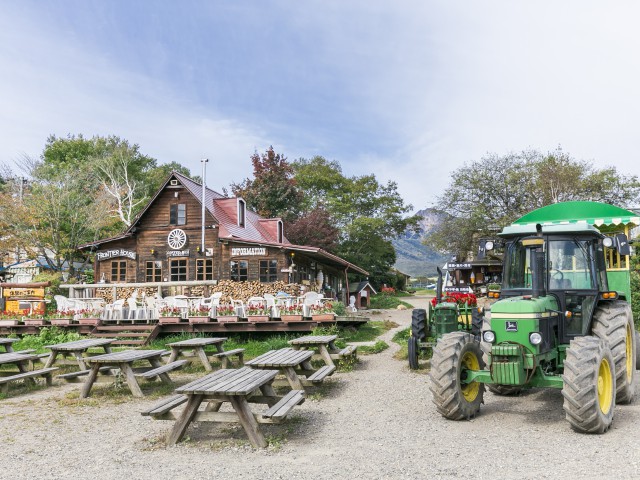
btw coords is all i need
(512, 326)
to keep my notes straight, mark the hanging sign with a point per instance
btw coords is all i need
(23, 292)
(101, 256)
(239, 252)
(178, 253)
(458, 266)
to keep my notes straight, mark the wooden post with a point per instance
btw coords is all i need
(93, 374)
(184, 420)
(131, 380)
(248, 421)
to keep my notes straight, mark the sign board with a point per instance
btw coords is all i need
(240, 252)
(23, 292)
(458, 266)
(457, 289)
(178, 253)
(106, 255)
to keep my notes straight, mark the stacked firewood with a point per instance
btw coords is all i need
(244, 290)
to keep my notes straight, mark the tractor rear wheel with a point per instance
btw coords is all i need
(419, 324)
(414, 351)
(613, 322)
(453, 356)
(589, 389)
(637, 350)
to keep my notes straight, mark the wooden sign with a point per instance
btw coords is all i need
(178, 253)
(241, 252)
(106, 255)
(23, 292)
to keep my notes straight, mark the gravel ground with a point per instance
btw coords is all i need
(377, 421)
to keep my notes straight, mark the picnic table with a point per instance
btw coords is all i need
(124, 361)
(238, 387)
(325, 346)
(77, 348)
(196, 345)
(292, 363)
(21, 360)
(7, 343)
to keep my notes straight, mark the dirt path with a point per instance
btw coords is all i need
(375, 422)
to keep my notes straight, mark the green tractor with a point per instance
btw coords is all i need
(443, 317)
(557, 324)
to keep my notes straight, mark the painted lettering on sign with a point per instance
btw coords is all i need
(458, 266)
(178, 253)
(101, 256)
(23, 292)
(239, 252)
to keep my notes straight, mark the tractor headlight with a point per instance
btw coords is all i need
(535, 338)
(489, 336)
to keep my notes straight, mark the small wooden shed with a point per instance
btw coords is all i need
(362, 294)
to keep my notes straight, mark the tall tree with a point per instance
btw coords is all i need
(484, 196)
(272, 192)
(315, 228)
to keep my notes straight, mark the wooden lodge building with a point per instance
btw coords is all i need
(168, 243)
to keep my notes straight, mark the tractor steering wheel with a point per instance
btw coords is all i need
(556, 277)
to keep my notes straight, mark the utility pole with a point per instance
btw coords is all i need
(204, 182)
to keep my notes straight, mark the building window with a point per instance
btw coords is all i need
(153, 271)
(242, 208)
(204, 269)
(119, 271)
(178, 270)
(178, 214)
(280, 231)
(239, 270)
(268, 271)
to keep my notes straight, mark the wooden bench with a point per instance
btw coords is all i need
(73, 376)
(350, 350)
(321, 374)
(154, 372)
(44, 372)
(224, 356)
(280, 410)
(162, 409)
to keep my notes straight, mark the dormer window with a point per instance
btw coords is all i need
(242, 208)
(280, 231)
(178, 214)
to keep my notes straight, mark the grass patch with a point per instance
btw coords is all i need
(46, 336)
(401, 338)
(379, 346)
(387, 301)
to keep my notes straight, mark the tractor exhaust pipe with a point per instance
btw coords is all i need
(439, 286)
(537, 268)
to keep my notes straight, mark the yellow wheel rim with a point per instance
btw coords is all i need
(629, 353)
(605, 386)
(470, 390)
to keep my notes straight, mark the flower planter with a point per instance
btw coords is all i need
(34, 322)
(291, 318)
(89, 321)
(258, 318)
(163, 320)
(9, 323)
(61, 322)
(199, 319)
(227, 318)
(323, 317)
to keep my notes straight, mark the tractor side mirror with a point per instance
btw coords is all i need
(622, 244)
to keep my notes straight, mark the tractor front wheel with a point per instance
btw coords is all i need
(613, 323)
(589, 389)
(453, 357)
(414, 351)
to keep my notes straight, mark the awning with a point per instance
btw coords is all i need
(592, 213)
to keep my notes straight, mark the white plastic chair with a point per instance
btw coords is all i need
(182, 302)
(239, 307)
(308, 300)
(212, 303)
(114, 311)
(271, 304)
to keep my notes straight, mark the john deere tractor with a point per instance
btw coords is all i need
(443, 317)
(557, 324)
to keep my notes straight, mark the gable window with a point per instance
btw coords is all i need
(242, 210)
(239, 270)
(153, 271)
(119, 271)
(280, 231)
(178, 270)
(268, 271)
(204, 269)
(177, 214)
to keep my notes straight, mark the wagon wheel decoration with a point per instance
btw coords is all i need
(177, 239)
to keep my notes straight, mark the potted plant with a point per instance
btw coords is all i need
(226, 313)
(89, 316)
(169, 314)
(8, 319)
(61, 317)
(291, 313)
(323, 312)
(199, 314)
(257, 312)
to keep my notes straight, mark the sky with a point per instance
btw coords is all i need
(407, 90)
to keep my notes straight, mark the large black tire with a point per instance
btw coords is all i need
(589, 389)
(419, 324)
(453, 355)
(613, 323)
(637, 350)
(414, 351)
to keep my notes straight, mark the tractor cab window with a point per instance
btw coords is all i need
(570, 265)
(517, 272)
